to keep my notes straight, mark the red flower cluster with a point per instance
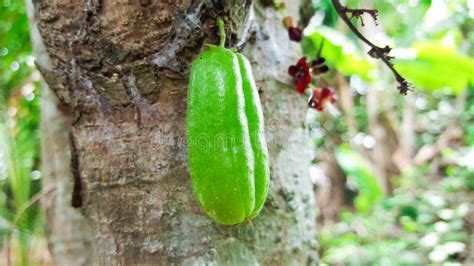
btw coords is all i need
(320, 96)
(303, 70)
(301, 73)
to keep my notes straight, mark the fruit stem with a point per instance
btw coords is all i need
(220, 25)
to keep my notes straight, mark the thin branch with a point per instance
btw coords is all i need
(357, 13)
(375, 51)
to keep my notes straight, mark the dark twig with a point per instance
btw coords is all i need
(375, 51)
(357, 13)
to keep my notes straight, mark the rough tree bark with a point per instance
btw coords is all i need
(114, 141)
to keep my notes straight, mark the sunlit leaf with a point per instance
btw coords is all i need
(330, 15)
(436, 67)
(400, 18)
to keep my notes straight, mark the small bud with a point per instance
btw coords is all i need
(289, 22)
(320, 70)
(266, 3)
(295, 34)
(281, 5)
(324, 69)
(318, 61)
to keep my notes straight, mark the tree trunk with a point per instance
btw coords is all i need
(114, 143)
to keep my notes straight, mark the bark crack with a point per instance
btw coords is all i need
(77, 192)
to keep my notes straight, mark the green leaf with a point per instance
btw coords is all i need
(330, 15)
(436, 67)
(15, 46)
(355, 167)
(401, 18)
(338, 50)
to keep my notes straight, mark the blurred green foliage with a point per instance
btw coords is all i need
(15, 47)
(360, 174)
(424, 221)
(421, 224)
(467, 118)
(436, 67)
(20, 176)
(406, 21)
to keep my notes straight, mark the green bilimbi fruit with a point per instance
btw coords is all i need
(228, 155)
